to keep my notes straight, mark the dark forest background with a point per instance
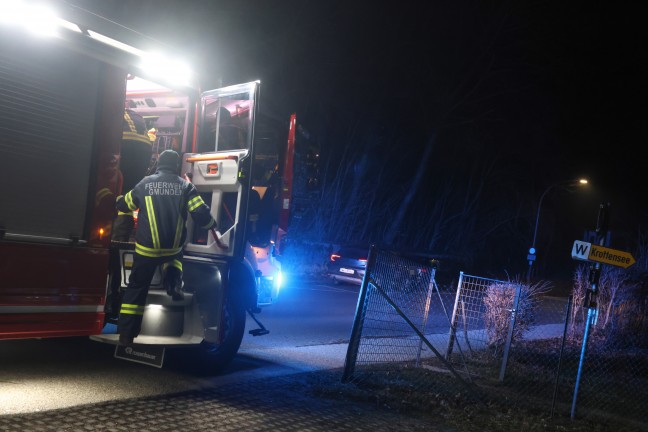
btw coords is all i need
(438, 125)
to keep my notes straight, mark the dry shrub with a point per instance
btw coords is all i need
(498, 301)
(577, 317)
(622, 301)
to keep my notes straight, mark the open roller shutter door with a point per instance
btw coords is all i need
(48, 101)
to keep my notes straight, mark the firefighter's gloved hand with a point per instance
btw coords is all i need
(173, 283)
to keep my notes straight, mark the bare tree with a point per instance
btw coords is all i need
(411, 191)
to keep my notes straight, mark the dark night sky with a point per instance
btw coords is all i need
(551, 89)
(571, 67)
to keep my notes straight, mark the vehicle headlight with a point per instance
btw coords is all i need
(278, 280)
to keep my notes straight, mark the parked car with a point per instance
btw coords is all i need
(348, 264)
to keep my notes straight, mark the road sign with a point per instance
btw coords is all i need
(584, 251)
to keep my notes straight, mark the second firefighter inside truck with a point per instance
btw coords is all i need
(135, 157)
(164, 199)
(136, 151)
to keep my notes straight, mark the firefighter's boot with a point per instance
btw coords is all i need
(125, 340)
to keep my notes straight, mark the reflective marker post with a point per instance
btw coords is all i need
(530, 257)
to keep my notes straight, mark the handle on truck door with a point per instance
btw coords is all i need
(217, 238)
(211, 157)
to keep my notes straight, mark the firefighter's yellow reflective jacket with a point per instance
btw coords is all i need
(134, 128)
(163, 200)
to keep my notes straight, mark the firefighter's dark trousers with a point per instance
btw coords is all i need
(123, 227)
(113, 298)
(134, 163)
(134, 299)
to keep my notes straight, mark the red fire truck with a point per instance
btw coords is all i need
(64, 85)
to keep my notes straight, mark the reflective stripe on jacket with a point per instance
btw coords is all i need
(163, 200)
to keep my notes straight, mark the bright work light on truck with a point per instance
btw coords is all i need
(115, 43)
(36, 18)
(170, 70)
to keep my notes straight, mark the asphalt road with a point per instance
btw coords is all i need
(309, 330)
(307, 312)
(310, 325)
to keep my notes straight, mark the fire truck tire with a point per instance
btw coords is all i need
(213, 357)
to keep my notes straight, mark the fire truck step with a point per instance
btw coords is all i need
(151, 340)
(158, 297)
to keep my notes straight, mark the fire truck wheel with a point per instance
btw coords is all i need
(214, 357)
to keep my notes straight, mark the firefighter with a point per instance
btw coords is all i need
(134, 160)
(110, 185)
(136, 151)
(163, 200)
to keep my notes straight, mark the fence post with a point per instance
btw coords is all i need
(591, 311)
(602, 224)
(426, 313)
(560, 356)
(509, 336)
(358, 320)
(453, 321)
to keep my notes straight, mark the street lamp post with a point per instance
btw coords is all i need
(531, 257)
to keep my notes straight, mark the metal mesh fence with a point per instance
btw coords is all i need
(468, 336)
(613, 371)
(401, 329)
(489, 340)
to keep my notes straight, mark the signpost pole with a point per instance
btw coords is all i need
(590, 299)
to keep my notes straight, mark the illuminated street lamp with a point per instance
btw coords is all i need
(532, 250)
